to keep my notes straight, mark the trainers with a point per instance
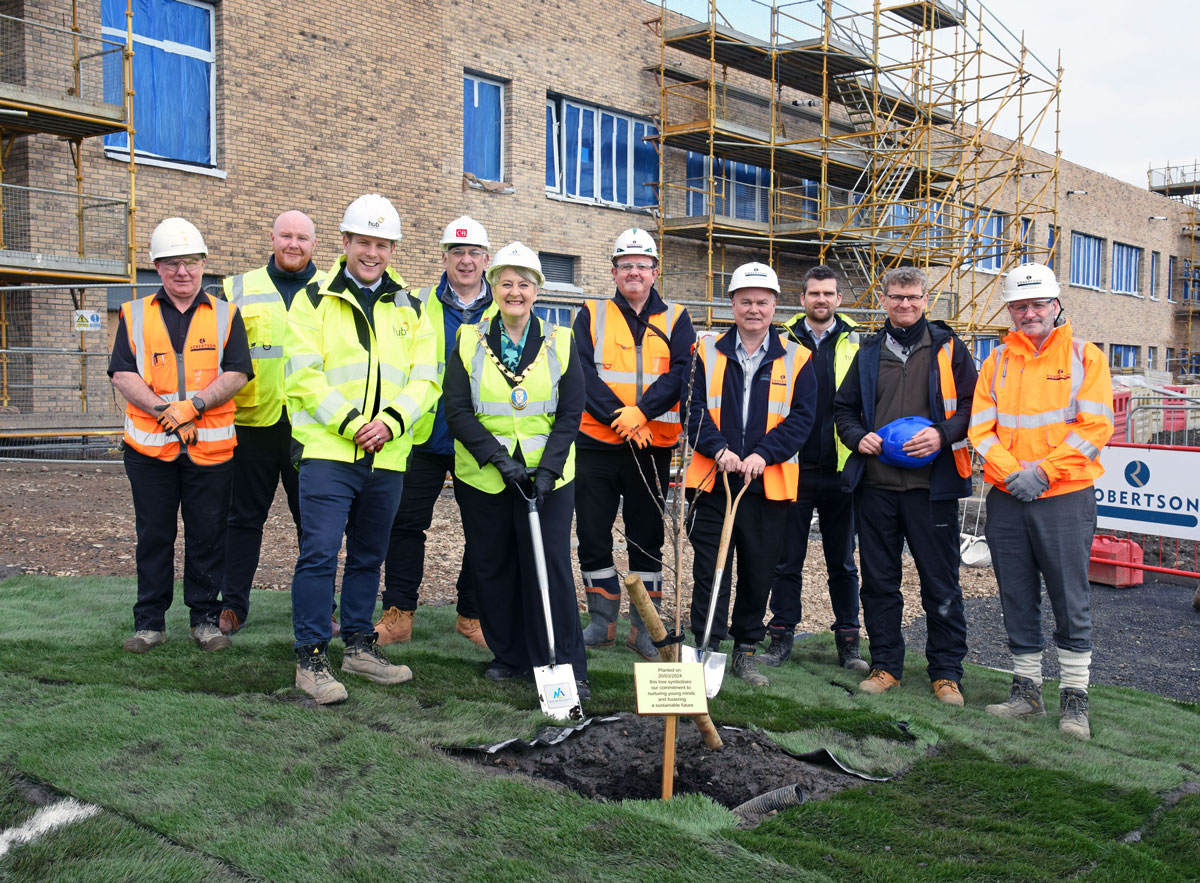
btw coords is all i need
(229, 622)
(315, 678)
(584, 689)
(209, 638)
(780, 649)
(1073, 713)
(363, 657)
(744, 667)
(468, 628)
(143, 640)
(1024, 700)
(948, 691)
(395, 626)
(847, 651)
(878, 681)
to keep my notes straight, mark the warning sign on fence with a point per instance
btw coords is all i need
(1153, 491)
(87, 320)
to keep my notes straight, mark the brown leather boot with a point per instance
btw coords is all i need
(471, 630)
(395, 626)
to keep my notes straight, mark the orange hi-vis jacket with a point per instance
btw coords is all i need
(945, 355)
(628, 369)
(1052, 409)
(174, 380)
(781, 481)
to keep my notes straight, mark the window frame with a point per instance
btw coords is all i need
(502, 121)
(557, 154)
(1053, 235)
(1171, 265)
(985, 229)
(1151, 358)
(732, 176)
(1128, 355)
(1126, 269)
(1094, 264)
(1155, 270)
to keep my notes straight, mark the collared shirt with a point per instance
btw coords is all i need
(371, 288)
(463, 305)
(819, 336)
(749, 362)
(237, 350)
(510, 350)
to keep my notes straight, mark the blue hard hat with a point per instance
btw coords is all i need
(895, 434)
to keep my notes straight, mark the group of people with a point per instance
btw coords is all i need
(361, 395)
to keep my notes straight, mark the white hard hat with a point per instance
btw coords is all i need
(753, 275)
(516, 255)
(372, 215)
(464, 231)
(175, 236)
(635, 241)
(1030, 281)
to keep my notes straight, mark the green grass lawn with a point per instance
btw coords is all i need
(209, 767)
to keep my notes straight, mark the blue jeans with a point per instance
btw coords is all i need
(337, 499)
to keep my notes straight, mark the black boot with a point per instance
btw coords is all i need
(780, 649)
(847, 650)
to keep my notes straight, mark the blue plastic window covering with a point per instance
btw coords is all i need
(645, 165)
(172, 104)
(483, 127)
(554, 315)
(621, 152)
(1086, 254)
(600, 155)
(1127, 264)
(982, 347)
(1052, 246)
(985, 229)
(607, 157)
(552, 170)
(810, 202)
(1155, 260)
(1026, 237)
(697, 182)
(1171, 275)
(1123, 355)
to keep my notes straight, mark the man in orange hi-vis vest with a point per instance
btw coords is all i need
(1043, 410)
(179, 357)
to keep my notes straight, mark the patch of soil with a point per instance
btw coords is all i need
(620, 757)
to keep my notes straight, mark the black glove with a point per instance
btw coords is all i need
(543, 483)
(511, 471)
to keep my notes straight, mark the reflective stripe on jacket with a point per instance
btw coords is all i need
(945, 356)
(844, 349)
(628, 368)
(260, 402)
(514, 420)
(173, 379)
(1052, 409)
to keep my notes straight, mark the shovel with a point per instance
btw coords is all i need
(714, 663)
(556, 688)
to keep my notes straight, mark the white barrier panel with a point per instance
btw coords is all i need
(1150, 491)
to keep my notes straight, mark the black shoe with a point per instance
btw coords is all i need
(847, 651)
(780, 650)
(498, 671)
(584, 689)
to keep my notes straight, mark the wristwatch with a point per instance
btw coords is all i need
(199, 404)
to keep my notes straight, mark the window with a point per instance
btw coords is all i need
(985, 237)
(740, 190)
(1151, 358)
(1026, 238)
(599, 155)
(1191, 276)
(982, 348)
(1052, 246)
(1127, 266)
(558, 268)
(1169, 365)
(1086, 259)
(1123, 356)
(555, 314)
(174, 80)
(1155, 260)
(1171, 279)
(483, 128)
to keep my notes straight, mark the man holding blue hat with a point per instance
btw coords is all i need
(904, 409)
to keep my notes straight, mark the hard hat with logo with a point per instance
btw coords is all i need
(895, 434)
(635, 241)
(372, 215)
(175, 236)
(1028, 282)
(464, 231)
(516, 255)
(754, 275)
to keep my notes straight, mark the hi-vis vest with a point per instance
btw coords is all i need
(500, 409)
(962, 454)
(781, 481)
(174, 379)
(844, 350)
(628, 369)
(260, 402)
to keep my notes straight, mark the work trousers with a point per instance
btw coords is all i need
(501, 554)
(336, 500)
(885, 519)
(424, 478)
(820, 489)
(602, 478)
(261, 460)
(162, 489)
(758, 531)
(1047, 540)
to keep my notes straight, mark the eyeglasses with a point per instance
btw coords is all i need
(461, 251)
(626, 267)
(173, 265)
(905, 298)
(1038, 306)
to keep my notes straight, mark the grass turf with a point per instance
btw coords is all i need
(209, 767)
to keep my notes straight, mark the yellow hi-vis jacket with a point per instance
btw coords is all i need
(495, 404)
(337, 362)
(260, 402)
(1052, 409)
(844, 349)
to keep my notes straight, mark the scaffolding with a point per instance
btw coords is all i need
(1182, 183)
(864, 139)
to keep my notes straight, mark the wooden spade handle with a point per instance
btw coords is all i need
(653, 622)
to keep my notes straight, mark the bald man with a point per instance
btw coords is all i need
(264, 432)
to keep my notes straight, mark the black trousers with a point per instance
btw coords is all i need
(261, 460)
(602, 478)
(754, 548)
(163, 489)
(885, 520)
(510, 602)
(424, 479)
(820, 489)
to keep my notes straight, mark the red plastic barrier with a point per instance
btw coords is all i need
(1120, 415)
(1116, 550)
(1174, 421)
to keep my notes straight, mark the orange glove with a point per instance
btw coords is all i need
(188, 434)
(628, 421)
(175, 414)
(641, 437)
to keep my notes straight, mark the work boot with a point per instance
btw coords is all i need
(878, 681)
(639, 637)
(948, 692)
(780, 649)
(363, 657)
(229, 622)
(143, 640)
(1024, 700)
(468, 628)
(314, 677)
(395, 626)
(1073, 713)
(601, 629)
(744, 667)
(209, 638)
(584, 689)
(847, 650)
